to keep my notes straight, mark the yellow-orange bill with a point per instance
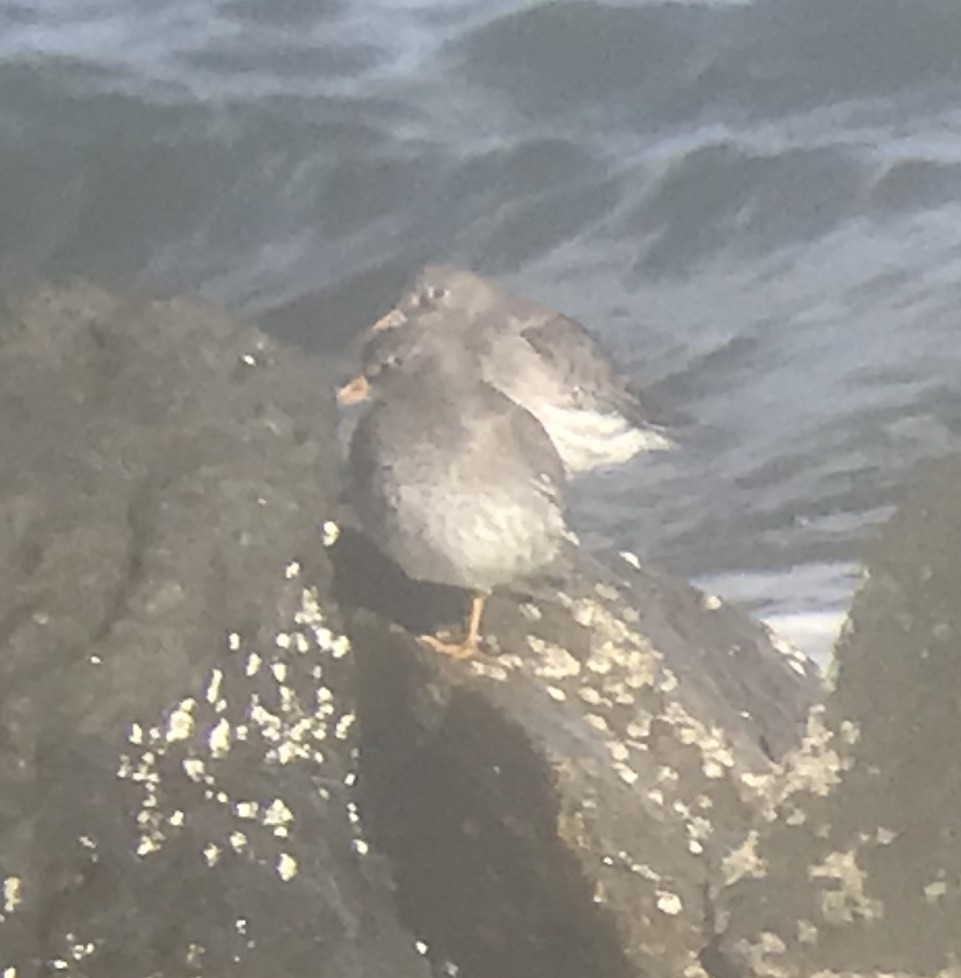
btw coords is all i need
(390, 320)
(354, 391)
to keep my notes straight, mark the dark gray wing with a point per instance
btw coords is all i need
(538, 445)
(367, 463)
(522, 436)
(583, 366)
(545, 471)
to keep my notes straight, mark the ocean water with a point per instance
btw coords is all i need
(756, 206)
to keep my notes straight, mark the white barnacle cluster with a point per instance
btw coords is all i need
(219, 739)
(73, 950)
(617, 692)
(194, 956)
(329, 533)
(716, 756)
(287, 867)
(180, 723)
(613, 686)
(621, 665)
(310, 615)
(278, 817)
(744, 861)
(490, 668)
(212, 694)
(844, 897)
(606, 591)
(699, 830)
(817, 765)
(668, 903)
(619, 751)
(142, 770)
(763, 955)
(12, 895)
(271, 702)
(553, 661)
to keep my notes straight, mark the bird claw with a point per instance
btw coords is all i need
(455, 650)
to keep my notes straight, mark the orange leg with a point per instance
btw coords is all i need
(469, 646)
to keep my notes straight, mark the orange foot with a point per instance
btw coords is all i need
(466, 649)
(469, 647)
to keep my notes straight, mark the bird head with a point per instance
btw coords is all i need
(393, 358)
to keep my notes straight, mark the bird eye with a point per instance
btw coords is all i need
(429, 295)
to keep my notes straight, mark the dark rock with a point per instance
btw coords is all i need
(183, 787)
(176, 738)
(858, 868)
(561, 806)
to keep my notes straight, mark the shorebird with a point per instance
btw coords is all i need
(453, 480)
(540, 359)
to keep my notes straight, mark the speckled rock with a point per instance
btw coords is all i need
(177, 736)
(561, 806)
(856, 869)
(222, 752)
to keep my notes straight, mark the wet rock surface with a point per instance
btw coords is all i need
(222, 751)
(858, 869)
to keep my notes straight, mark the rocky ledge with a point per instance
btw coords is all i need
(223, 752)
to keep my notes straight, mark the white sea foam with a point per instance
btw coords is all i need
(805, 605)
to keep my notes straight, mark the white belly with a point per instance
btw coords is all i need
(587, 439)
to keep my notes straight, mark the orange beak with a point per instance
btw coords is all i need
(354, 391)
(390, 320)
(358, 390)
